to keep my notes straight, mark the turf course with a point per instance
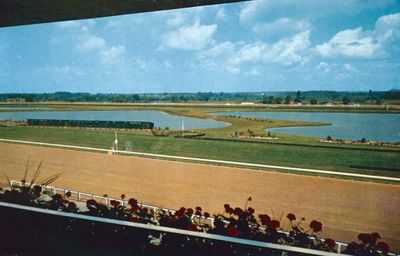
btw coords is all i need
(328, 158)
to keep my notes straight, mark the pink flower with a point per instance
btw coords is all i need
(291, 217)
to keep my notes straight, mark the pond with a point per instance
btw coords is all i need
(160, 119)
(353, 126)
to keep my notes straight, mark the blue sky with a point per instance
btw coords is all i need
(264, 45)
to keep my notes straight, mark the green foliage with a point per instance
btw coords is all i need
(345, 100)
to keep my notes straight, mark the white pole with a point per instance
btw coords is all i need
(116, 141)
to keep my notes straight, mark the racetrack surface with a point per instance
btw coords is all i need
(345, 207)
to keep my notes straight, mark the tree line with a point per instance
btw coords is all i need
(309, 97)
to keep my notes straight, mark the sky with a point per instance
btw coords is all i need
(261, 45)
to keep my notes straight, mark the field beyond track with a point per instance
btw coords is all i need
(345, 207)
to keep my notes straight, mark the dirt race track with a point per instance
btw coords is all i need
(345, 207)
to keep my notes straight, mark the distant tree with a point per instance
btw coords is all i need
(313, 101)
(268, 100)
(278, 100)
(28, 97)
(345, 100)
(328, 138)
(298, 97)
(288, 99)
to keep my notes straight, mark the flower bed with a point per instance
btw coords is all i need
(233, 222)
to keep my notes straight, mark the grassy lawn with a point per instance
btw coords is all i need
(285, 155)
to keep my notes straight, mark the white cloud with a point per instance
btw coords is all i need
(323, 67)
(194, 37)
(113, 55)
(282, 27)
(178, 19)
(253, 72)
(351, 43)
(251, 9)
(286, 51)
(387, 29)
(90, 42)
(68, 24)
(221, 14)
(261, 10)
(379, 42)
(290, 50)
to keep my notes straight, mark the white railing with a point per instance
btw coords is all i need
(283, 248)
(82, 196)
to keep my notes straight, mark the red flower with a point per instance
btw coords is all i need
(180, 212)
(330, 243)
(189, 211)
(123, 196)
(291, 217)
(251, 210)
(249, 199)
(192, 227)
(316, 226)
(198, 208)
(171, 219)
(232, 231)
(383, 246)
(238, 211)
(206, 215)
(265, 219)
(91, 202)
(64, 201)
(114, 203)
(133, 202)
(228, 209)
(145, 210)
(274, 224)
(68, 194)
(135, 219)
(72, 205)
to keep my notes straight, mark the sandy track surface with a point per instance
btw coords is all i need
(344, 207)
